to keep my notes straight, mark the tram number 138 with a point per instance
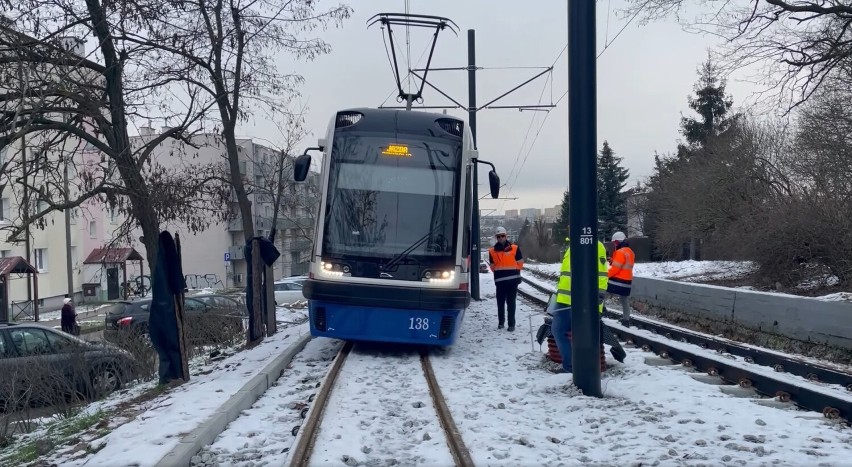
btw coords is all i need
(418, 323)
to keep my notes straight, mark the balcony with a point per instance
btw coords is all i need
(298, 245)
(236, 253)
(260, 223)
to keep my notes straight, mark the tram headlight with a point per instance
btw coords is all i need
(439, 276)
(334, 269)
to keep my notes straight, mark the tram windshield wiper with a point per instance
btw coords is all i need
(406, 252)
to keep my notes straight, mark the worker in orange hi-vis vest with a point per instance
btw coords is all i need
(506, 263)
(621, 273)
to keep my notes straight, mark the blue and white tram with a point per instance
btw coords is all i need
(391, 256)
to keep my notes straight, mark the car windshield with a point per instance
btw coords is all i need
(388, 192)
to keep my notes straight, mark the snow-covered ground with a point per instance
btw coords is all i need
(703, 271)
(262, 435)
(687, 271)
(512, 411)
(142, 435)
(508, 407)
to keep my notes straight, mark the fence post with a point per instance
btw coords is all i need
(257, 270)
(271, 324)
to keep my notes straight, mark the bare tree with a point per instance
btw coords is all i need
(800, 44)
(225, 49)
(65, 105)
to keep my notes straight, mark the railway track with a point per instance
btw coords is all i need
(308, 433)
(820, 391)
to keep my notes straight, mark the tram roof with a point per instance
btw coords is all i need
(380, 119)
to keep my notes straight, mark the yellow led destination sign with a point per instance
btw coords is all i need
(399, 150)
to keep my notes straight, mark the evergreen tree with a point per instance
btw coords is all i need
(711, 104)
(560, 229)
(612, 178)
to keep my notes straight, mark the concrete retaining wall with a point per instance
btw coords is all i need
(800, 318)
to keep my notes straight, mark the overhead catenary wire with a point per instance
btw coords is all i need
(607, 45)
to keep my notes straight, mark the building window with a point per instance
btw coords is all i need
(73, 256)
(40, 259)
(112, 215)
(5, 253)
(5, 207)
(74, 213)
(93, 229)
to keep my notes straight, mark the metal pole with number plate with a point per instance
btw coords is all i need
(582, 182)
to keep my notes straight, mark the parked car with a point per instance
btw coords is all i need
(298, 279)
(288, 291)
(204, 313)
(39, 364)
(483, 267)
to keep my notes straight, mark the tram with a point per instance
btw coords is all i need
(391, 255)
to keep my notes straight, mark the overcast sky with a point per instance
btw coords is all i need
(644, 77)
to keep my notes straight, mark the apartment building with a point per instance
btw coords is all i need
(78, 251)
(215, 256)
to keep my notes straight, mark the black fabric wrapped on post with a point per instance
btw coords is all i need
(268, 255)
(163, 328)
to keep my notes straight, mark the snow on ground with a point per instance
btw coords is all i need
(262, 435)
(57, 314)
(381, 413)
(512, 411)
(162, 421)
(687, 271)
(509, 408)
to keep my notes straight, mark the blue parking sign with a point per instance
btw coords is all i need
(227, 257)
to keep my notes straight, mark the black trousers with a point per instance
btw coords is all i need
(507, 292)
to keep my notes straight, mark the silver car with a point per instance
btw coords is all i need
(288, 291)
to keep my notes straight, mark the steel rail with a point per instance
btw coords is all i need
(831, 406)
(305, 445)
(459, 451)
(779, 362)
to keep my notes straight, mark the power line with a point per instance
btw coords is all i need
(532, 119)
(635, 15)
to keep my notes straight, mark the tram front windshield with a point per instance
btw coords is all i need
(390, 195)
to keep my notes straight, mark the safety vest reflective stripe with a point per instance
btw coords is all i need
(505, 268)
(505, 278)
(625, 285)
(565, 273)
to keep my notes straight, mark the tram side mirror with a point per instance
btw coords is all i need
(494, 182)
(301, 167)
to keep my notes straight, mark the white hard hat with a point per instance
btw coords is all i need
(618, 237)
(501, 230)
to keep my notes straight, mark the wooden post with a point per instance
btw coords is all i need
(179, 318)
(124, 285)
(271, 324)
(257, 270)
(35, 296)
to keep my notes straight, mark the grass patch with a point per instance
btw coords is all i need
(56, 433)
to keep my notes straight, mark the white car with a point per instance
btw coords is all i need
(288, 291)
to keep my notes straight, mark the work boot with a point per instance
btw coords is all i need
(618, 353)
(500, 326)
(511, 329)
(625, 322)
